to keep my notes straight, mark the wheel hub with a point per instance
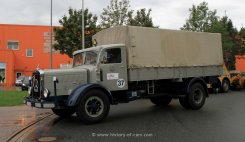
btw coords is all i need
(94, 106)
(226, 87)
(198, 96)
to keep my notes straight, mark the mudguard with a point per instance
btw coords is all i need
(79, 91)
(194, 80)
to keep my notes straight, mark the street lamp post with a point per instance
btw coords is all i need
(83, 40)
(51, 34)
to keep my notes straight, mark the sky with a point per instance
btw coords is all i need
(167, 14)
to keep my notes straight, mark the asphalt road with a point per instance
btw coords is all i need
(222, 119)
(15, 118)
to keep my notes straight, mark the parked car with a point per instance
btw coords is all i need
(25, 83)
(19, 81)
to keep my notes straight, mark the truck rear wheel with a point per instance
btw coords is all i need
(93, 107)
(196, 96)
(164, 101)
(66, 112)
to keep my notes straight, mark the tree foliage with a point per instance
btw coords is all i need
(201, 19)
(242, 40)
(69, 36)
(119, 13)
(115, 14)
(141, 18)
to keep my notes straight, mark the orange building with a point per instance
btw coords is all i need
(240, 63)
(23, 48)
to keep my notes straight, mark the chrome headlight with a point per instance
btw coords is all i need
(46, 93)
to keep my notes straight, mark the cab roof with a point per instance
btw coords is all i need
(97, 48)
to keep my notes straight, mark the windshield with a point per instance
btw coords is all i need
(85, 58)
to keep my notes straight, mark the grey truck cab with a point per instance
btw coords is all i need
(96, 72)
(130, 63)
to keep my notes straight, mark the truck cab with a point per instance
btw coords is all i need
(102, 68)
(109, 64)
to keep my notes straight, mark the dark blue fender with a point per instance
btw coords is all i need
(190, 82)
(79, 91)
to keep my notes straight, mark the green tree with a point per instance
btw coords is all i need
(242, 32)
(242, 40)
(141, 18)
(69, 37)
(230, 43)
(220, 26)
(200, 18)
(116, 13)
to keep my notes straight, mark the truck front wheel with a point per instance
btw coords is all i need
(196, 97)
(93, 107)
(164, 101)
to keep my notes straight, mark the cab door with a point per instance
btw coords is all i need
(113, 68)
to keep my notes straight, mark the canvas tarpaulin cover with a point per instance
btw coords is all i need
(153, 47)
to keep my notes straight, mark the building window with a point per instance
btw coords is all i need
(14, 45)
(29, 52)
(2, 72)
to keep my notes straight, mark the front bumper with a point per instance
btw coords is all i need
(38, 103)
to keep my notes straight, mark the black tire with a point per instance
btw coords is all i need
(225, 87)
(93, 107)
(66, 112)
(197, 96)
(163, 101)
(184, 103)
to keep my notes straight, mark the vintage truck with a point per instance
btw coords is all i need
(129, 63)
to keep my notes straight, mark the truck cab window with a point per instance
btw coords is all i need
(78, 60)
(85, 58)
(111, 56)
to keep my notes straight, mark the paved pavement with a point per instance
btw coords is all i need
(222, 119)
(15, 118)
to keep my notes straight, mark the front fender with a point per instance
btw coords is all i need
(79, 91)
